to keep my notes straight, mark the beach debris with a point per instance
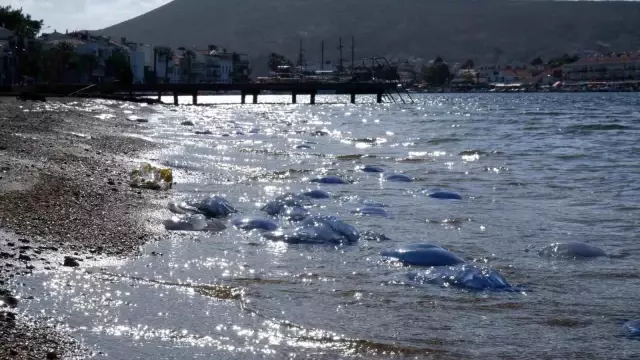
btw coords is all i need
(25, 95)
(148, 176)
(7, 299)
(70, 261)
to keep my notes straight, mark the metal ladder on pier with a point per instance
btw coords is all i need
(382, 64)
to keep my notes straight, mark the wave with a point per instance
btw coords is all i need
(598, 127)
(443, 141)
(350, 157)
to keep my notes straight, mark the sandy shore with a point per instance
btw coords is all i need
(64, 200)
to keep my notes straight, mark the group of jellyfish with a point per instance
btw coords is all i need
(429, 263)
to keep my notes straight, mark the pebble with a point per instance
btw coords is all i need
(70, 262)
(23, 257)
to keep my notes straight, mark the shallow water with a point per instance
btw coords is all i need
(533, 169)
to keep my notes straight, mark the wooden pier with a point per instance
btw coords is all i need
(251, 90)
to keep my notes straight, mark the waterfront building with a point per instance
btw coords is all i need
(612, 67)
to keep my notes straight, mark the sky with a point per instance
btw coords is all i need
(71, 15)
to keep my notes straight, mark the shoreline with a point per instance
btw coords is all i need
(64, 200)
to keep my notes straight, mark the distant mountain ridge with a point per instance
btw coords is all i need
(484, 30)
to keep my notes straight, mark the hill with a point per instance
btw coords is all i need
(486, 30)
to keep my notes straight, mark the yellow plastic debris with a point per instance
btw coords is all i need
(148, 176)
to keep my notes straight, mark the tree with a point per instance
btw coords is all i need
(437, 73)
(155, 65)
(56, 62)
(537, 61)
(24, 29)
(468, 64)
(20, 23)
(276, 60)
(190, 57)
(88, 63)
(119, 68)
(241, 69)
(562, 60)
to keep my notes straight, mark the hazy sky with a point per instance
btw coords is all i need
(83, 14)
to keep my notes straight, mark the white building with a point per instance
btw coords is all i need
(141, 60)
(225, 62)
(614, 67)
(503, 74)
(84, 43)
(218, 67)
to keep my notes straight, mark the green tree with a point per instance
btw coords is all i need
(25, 29)
(57, 62)
(164, 52)
(562, 60)
(88, 64)
(20, 23)
(537, 61)
(437, 73)
(241, 69)
(468, 64)
(118, 67)
(191, 56)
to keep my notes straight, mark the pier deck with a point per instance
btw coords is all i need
(253, 89)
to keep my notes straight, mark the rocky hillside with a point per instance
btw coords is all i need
(485, 30)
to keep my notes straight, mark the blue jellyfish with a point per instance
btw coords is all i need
(445, 195)
(572, 250)
(423, 255)
(331, 179)
(465, 276)
(399, 178)
(249, 224)
(317, 194)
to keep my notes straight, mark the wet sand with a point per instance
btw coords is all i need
(64, 201)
